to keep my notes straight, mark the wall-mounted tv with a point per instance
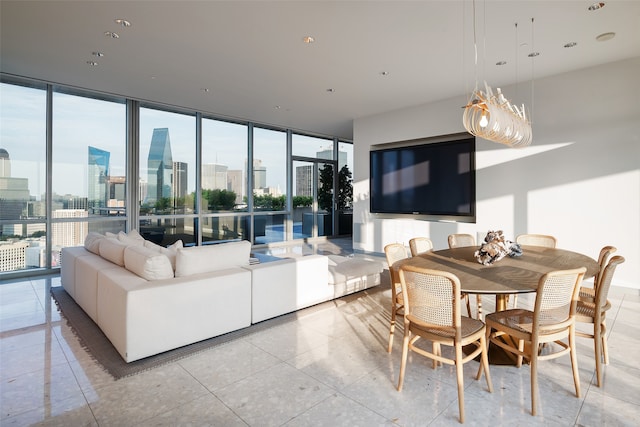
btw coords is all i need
(436, 179)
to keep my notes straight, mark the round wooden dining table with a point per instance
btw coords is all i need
(510, 275)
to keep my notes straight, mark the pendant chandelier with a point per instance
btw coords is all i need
(491, 116)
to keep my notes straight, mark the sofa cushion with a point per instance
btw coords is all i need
(92, 242)
(171, 252)
(203, 259)
(112, 250)
(132, 238)
(147, 263)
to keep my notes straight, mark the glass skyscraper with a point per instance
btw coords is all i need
(159, 166)
(98, 175)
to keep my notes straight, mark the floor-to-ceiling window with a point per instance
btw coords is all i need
(167, 176)
(224, 181)
(88, 168)
(269, 172)
(344, 198)
(22, 177)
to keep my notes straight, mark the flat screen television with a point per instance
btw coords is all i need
(436, 179)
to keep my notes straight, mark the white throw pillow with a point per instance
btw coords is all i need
(171, 252)
(92, 242)
(112, 250)
(147, 263)
(111, 235)
(203, 259)
(130, 239)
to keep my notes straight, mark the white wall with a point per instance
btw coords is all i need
(579, 180)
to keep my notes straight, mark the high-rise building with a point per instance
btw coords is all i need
(159, 166)
(259, 174)
(214, 176)
(179, 186)
(97, 177)
(13, 255)
(237, 184)
(5, 163)
(14, 192)
(327, 153)
(69, 233)
(304, 180)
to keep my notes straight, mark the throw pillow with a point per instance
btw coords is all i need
(203, 259)
(147, 263)
(92, 242)
(112, 250)
(171, 252)
(130, 240)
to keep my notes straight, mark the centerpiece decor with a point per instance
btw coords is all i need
(495, 247)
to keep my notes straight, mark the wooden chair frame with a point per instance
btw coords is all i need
(432, 311)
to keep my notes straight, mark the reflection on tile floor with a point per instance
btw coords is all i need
(329, 367)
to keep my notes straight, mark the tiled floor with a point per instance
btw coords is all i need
(329, 367)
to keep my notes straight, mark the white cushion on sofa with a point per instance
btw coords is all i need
(171, 252)
(203, 259)
(112, 250)
(92, 242)
(131, 238)
(147, 263)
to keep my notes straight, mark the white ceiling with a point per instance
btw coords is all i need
(251, 57)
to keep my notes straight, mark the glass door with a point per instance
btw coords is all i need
(312, 198)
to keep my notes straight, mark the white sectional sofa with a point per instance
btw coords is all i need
(146, 308)
(147, 299)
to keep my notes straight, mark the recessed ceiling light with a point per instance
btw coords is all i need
(605, 36)
(384, 73)
(98, 54)
(205, 89)
(331, 90)
(596, 6)
(123, 22)
(277, 107)
(533, 54)
(308, 39)
(92, 63)
(571, 44)
(501, 63)
(111, 34)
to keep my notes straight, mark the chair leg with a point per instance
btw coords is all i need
(515, 300)
(403, 363)
(484, 359)
(437, 350)
(534, 380)
(466, 300)
(479, 304)
(392, 328)
(520, 348)
(574, 359)
(460, 378)
(605, 350)
(597, 347)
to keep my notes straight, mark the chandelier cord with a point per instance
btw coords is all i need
(475, 47)
(532, 74)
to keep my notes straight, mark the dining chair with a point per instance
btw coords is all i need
(460, 240)
(419, 245)
(432, 311)
(588, 293)
(544, 240)
(594, 312)
(395, 252)
(522, 332)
